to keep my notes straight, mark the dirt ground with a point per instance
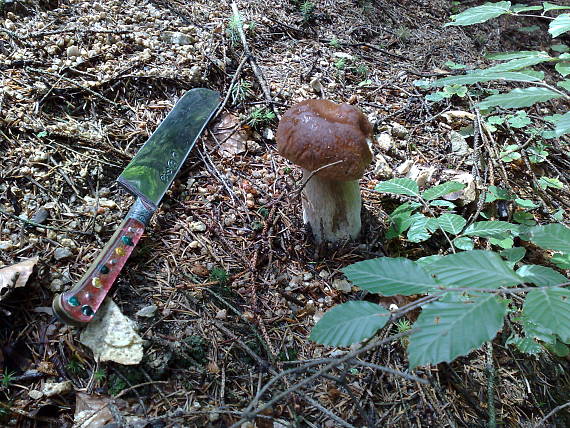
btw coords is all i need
(235, 278)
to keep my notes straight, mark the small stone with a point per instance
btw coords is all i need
(194, 244)
(459, 145)
(6, 245)
(248, 316)
(61, 253)
(222, 314)
(399, 131)
(34, 394)
(73, 51)
(176, 38)
(267, 134)
(393, 307)
(307, 276)
(381, 169)
(214, 416)
(405, 167)
(66, 242)
(385, 142)
(57, 388)
(316, 85)
(324, 274)
(56, 285)
(342, 285)
(197, 226)
(147, 311)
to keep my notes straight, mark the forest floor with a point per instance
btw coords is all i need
(228, 277)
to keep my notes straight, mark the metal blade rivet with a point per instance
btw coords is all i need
(96, 282)
(104, 270)
(120, 251)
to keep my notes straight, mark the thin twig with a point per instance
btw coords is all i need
(74, 83)
(32, 223)
(552, 412)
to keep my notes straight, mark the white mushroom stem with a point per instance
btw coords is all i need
(331, 208)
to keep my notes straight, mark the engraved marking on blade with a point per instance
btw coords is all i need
(170, 168)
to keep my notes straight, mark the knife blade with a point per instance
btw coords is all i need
(148, 176)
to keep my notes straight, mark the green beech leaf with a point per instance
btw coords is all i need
(563, 125)
(442, 189)
(519, 63)
(349, 323)
(520, 97)
(561, 261)
(525, 345)
(418, 229)
(550, 308)
(476, 15)
(549, 6)
(546, 182)
(513, 255)
(558, 348)
(564, 84)
(463, 243)
(563, 68)
(476, 269)
(503, 56)
(551, 237)
(491, 229)
(399, 186)
(390, 276)
(518, 8)
(451, 223)
(496, 193)
(541, 275)
(484, 76)
(505, 243)
(560, 25)
(525, 203)
(447, 330)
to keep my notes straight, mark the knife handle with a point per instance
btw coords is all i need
(78, 305)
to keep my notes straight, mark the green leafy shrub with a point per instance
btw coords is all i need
(469, 302)
(516, 67)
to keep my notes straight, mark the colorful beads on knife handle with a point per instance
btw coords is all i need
(81, 303)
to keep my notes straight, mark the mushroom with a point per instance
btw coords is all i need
(330, 142)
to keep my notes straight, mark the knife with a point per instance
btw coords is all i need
(148, 176)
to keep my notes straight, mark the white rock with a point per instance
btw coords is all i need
(51, 388)
(399, 131)
(197, 226)
(147, 311)
(6, 245)
(316, 85)
(61, 253)
(381, 168)
(111, 336)
(307, 276)
(56, 285)
(405, 167)
(342, 285)
(385, 142)
(176, 38)
(459, 145)
(73, 51)
(34, 394)
(222, 314)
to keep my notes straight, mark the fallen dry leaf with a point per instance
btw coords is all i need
(232, 142)
(17, 275)
(92, 411)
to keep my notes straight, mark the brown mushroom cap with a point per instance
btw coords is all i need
(315, 133)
